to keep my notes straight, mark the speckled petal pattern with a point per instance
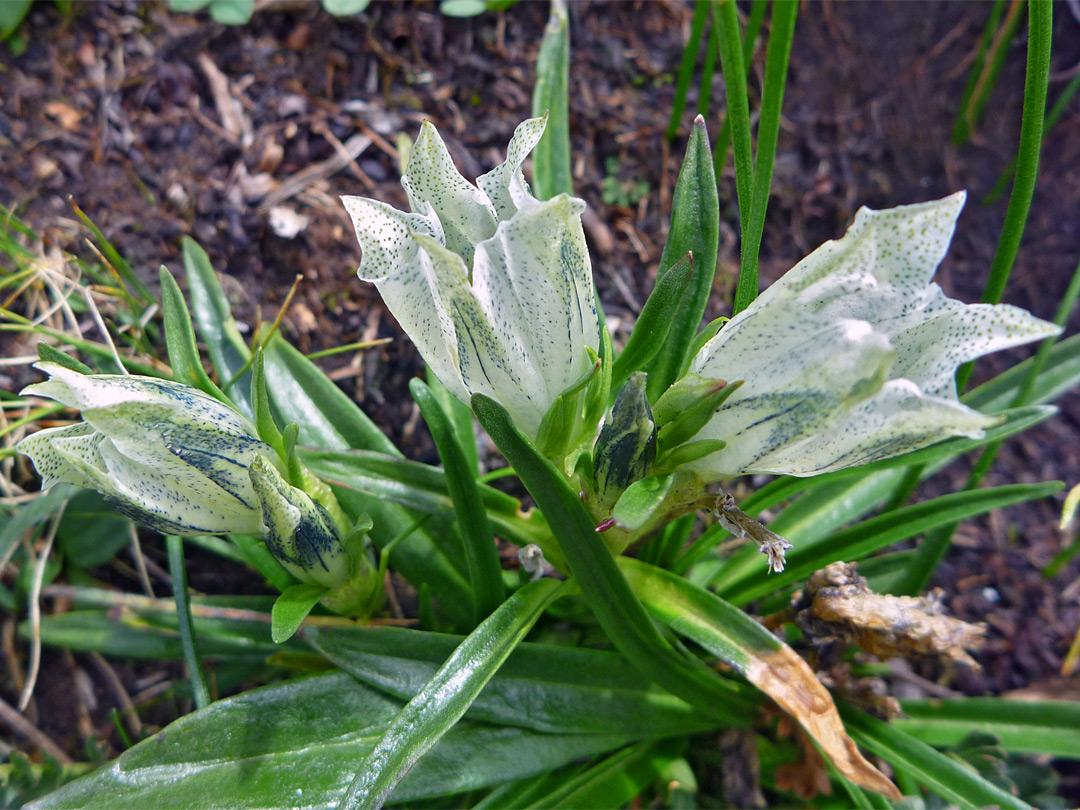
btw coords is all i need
(466, 214)
(505, 185)
(851, 356)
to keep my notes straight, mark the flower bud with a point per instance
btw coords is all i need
(626, 448)
(299, 532)
(164, 454)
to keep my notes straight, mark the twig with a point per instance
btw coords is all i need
(315, 172)
(140, 561)
(23, 726)
(127, 706)
(35, 611)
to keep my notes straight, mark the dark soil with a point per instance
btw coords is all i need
(114, 108)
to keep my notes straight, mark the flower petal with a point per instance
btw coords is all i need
(505, 184)
(934, 342)
(533, 280)
(466, 214)
(55, 467)
(490, 360)
(393, 260)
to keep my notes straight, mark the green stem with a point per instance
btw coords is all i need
(772, 99)
(738, 105)
(178, 572)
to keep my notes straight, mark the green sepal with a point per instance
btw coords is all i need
(684, 408)
(291, 608)
(260, 404)
(561, 426)
(50, 354)
(180, 340)
(655, 321)
(598, 395)
(686, 453)
(712, 328)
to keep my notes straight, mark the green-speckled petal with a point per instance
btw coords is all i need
(431, 178)
(506, 182)
(53, 466)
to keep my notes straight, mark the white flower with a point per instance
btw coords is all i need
(494, 287)
(165, 454)
(851, 356)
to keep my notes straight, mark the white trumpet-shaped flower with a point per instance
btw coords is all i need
(493, 286)
(851, 356)
(165, 454)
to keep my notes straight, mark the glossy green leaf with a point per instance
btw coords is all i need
(265, 426)
(695, 229)
(616, 780)
(180, 339)
(291, 608)
(654, 323)
(1021, 726)
(551, 157)
(618, 610)
(214, 322)
(558, 690)
(461, 418)
(12, 14)
(51, 354)
(447, 696)
(942, 774)
(884, 530)
(481, 553)
(296, 744)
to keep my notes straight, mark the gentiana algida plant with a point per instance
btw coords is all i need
(838, 379)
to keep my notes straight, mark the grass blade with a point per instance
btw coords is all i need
(551, 157)
(686, 67)
(942, 774)
(726, 19)
(446, 697)
(178, 572)
(772, 99)
(1033, 727)
(750, 35)
(962, 128)
(481, 555)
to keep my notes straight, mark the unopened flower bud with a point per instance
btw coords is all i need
(626, 448)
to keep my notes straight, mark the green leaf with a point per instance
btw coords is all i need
(256, 750)
(260, 404)
(695, 229)
(884, 530)
(616, 780)
(1050, 727)
(12, 13)
(53, 355)
(481, 553)
(214, 322)
(232, 12)
(942, 774)
(655, 321)
(91, 531)
(461, 419)
(180, 338)
(327, 418)
(639, 503)
(291, 608)
(765, 661)
(551, 157)
(29, 515)
(616, 607)
(1061, 373)
(557, 690)
(446, 697)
